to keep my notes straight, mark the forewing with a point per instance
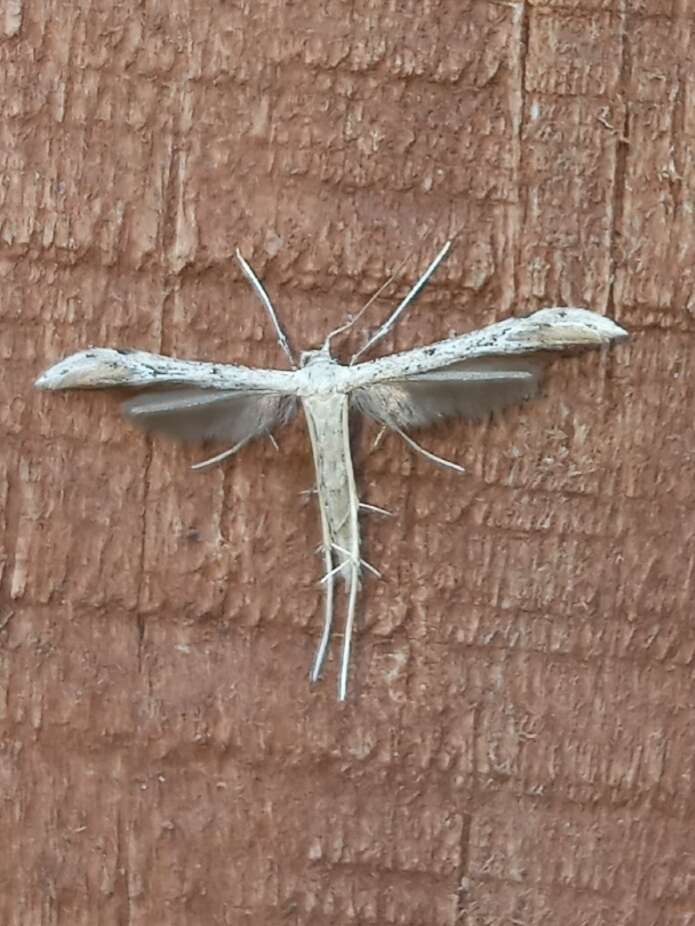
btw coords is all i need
(220, 415)
(557, 330)
(470, 389)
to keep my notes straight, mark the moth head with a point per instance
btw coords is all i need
(312, 356)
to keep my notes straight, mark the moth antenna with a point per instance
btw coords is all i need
(403, 305)
(432, 457)
(352, 319)
(267, 305)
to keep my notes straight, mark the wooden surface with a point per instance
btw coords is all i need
(519, 746)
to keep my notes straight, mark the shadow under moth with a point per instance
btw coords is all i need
(471, 376)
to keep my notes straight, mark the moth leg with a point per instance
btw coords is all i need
(366, 507)
(329, 584)
(347, 640)
(432, 457)
(378, 439)
(328, 581)
(370, 568)
(221, 456)
(330, 575)
(363, 562)
(376, 509)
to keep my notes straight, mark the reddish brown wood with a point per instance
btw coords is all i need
(519, 747)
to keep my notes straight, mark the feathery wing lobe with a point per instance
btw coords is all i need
(193, 414)
(470, 389)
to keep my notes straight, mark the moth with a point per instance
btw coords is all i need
(470, 376)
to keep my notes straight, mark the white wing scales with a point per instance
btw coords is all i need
(558, 330)
(106, 367)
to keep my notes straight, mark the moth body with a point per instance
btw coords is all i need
(327, 421)
(326, 408)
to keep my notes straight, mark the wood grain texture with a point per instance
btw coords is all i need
(518, 749)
